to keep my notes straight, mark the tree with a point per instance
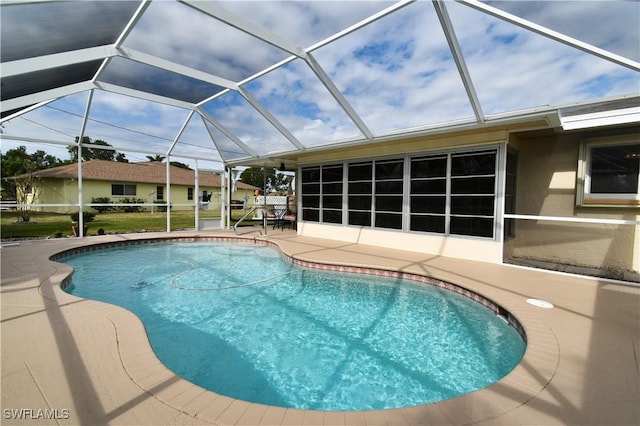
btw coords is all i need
(27, 187)
(276, 182)
(18, 161)
(89, 153)
(156, 158)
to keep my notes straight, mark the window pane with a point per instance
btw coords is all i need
(476, 226)
(429, 167)
(129, 190)
(360, 218)
(332, 188)
(310, 188)
(311, 215)
(331, 202)
(394, 187)
(389, 220)
(427, 223)
(433, 186)
(117, 189)
(427, 205)
(360, 171)
(310, 174)
(389, 204)
(332, 173)
(473, 164)
(310, 201)
(473, 185)
(389, 170)
(332, 216)
(481, 206)
(360, 187)
(614, 169)
(360, 202)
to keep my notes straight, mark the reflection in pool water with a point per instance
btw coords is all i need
(241, 321)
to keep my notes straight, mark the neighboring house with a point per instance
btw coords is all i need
(141, 181)
(530, 191)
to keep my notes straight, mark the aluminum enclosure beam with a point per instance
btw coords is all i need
(554, 35)
(46, 95)
(157, 62)
(228, 133)
(337, 95)
(458, 57)
(245, 26)
(271, 119)
(40, 63)
(144, 95)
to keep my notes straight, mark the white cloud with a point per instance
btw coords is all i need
(397, 73)
(178, 33)
(516, 69)
(305, 22)
(605, 24)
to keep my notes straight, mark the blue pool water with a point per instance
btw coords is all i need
(242, 321)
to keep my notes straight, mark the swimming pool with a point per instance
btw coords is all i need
(241, 321)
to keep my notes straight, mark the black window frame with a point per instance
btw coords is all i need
(459, 197)
(124, 190)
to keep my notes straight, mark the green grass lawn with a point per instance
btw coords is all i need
(46, 225)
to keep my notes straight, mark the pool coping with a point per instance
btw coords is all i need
(530, 376)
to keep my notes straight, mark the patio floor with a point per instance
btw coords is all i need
(67, 360)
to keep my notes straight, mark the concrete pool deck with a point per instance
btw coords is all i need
(67, 360)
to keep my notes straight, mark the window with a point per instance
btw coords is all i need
(322, 193)
(609, 172)
(450, 193)
(360, 190)
(388, 189)
(123, 189)
(428, 193)
(159, 192)
(473, 181)
(453, 193)
(190, 194)
(332, 194)
(311, 194)
(375, 193)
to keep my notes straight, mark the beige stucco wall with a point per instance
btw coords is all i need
(65, 191)
(480, 249)
(546, 186)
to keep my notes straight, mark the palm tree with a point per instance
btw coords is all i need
(157, 157)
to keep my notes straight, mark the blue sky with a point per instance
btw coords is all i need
(397, 73)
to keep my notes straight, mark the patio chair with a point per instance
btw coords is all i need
(289, 220)
(270, 215)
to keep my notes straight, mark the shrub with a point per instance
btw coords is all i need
(86, 216)
(102, 200)
(162, 207)
(123, 207)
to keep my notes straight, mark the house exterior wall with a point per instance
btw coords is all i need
(481, 249)
(546, 186)
(547, 178)
(65, 191)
